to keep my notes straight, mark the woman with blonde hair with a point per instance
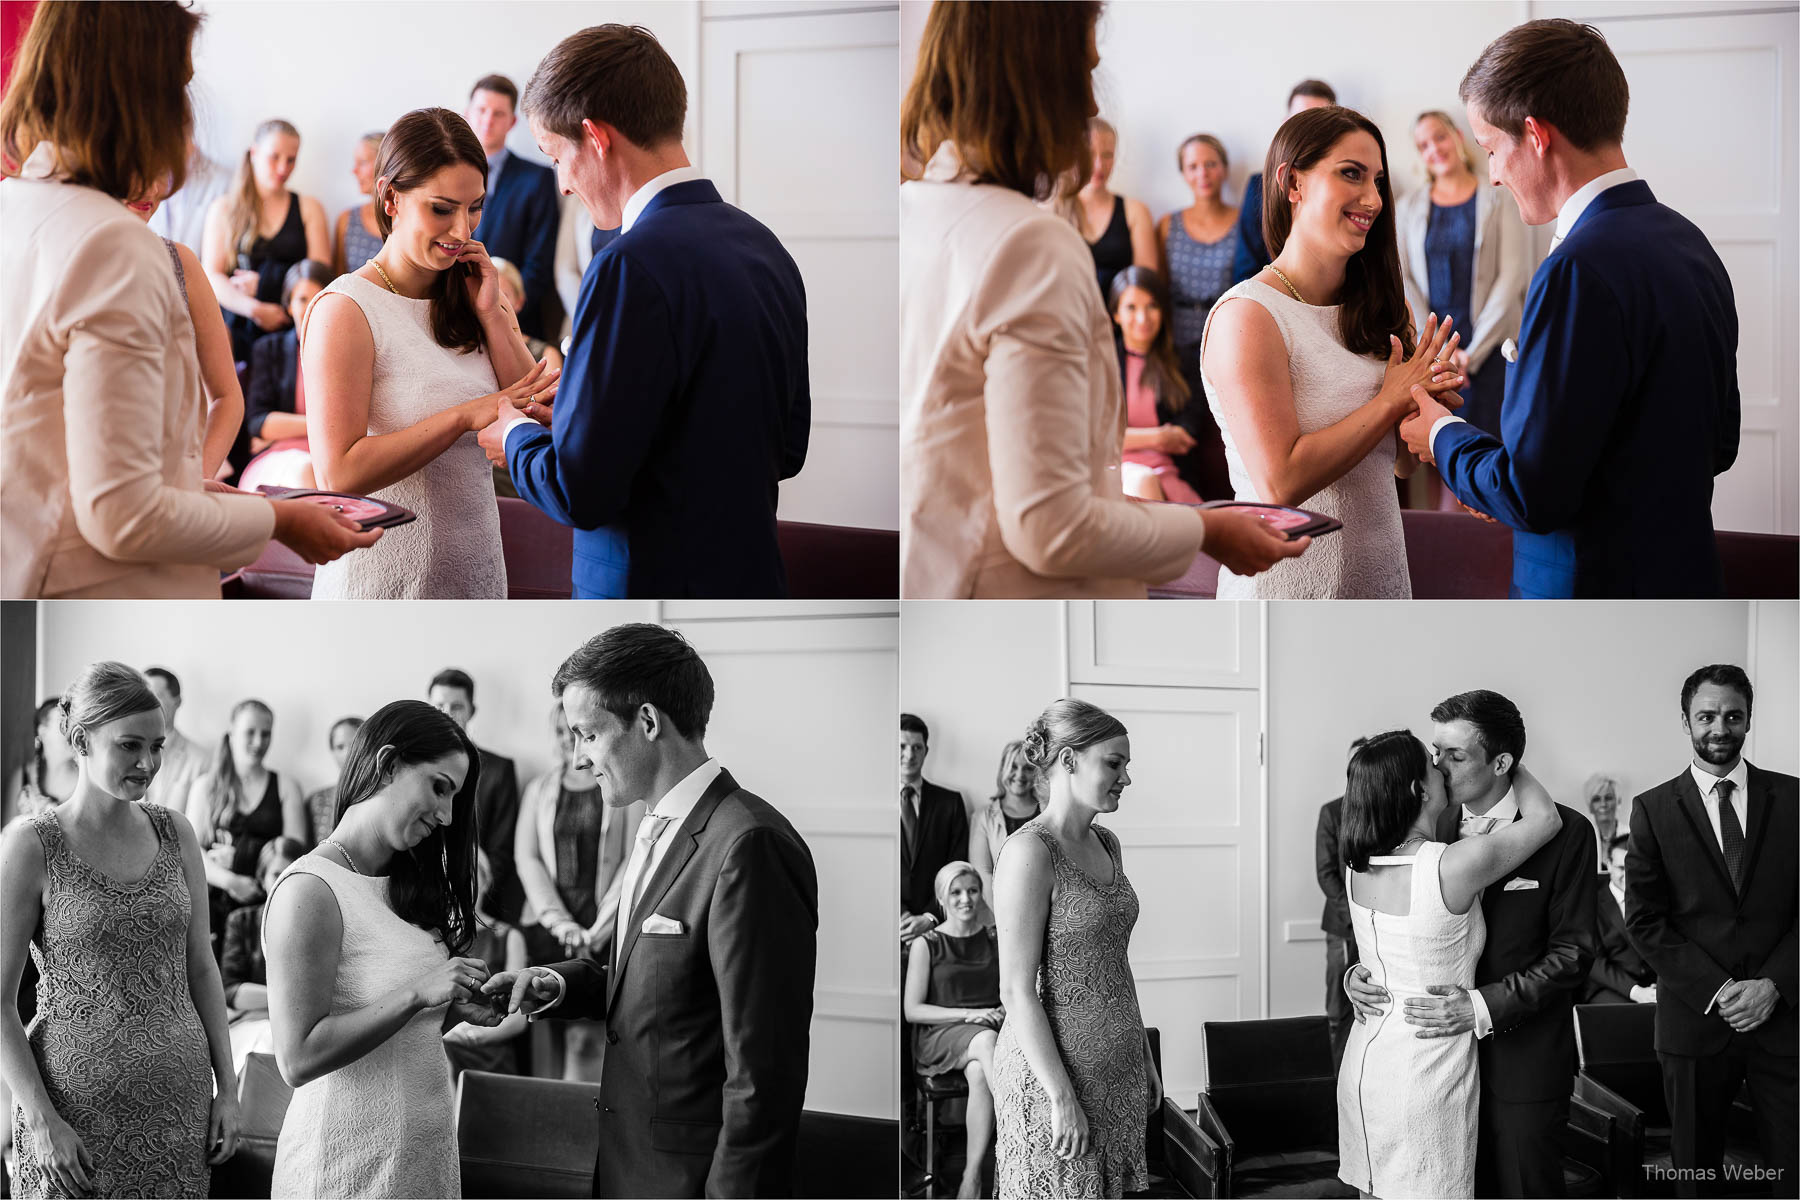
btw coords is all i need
(1118, 230)
(1013, 803)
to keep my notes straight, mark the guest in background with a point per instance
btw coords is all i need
(514, 284)
(1118, 230)
(238, 806)
(275, 411)
(934, 830)
(577, 241)
(242, 968)
(520, 218)
(1465, 254)
(1602, 795)
(501, 946)
(1340, 933)
(358, 237)
(1156, 394)
(184, 760)
(321, 806)
(182, 217)
(452, 693)
(1014, 802)
(1712, 901)
(952, 1002)
(1199, 244)
(124, 1082)
(256, 231)
(49, 776)
(1619, 974)
(1252, 253)
(570, 849)
(1012, 416)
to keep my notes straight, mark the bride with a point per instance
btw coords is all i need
(1406, 1102)
(405, 360)
(1310, 380)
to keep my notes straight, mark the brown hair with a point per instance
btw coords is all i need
(224, 790)
(245, 213)
(1316, 89)
(1449, 122)
(1560, 72)
(417, 146)
(500, 85)
(1162, 371)
(1009, 85)
(1204, 139)
(1373, 303)
(106, 86)
(619, 74)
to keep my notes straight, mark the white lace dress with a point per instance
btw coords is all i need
(382, 1126)
(453, 550)
(1366, 559)
(1406, 1104)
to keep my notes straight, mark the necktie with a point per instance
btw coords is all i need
(1731, 833)
(909, 826)
(1476, 826)
(649, 829)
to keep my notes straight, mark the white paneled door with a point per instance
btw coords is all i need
(799, 120)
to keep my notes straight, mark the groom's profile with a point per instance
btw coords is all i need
(707, 992)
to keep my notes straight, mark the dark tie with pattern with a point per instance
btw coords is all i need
(909, 827)
(1731, 833)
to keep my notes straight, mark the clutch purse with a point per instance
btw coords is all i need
(366, 511)
(1294, 522)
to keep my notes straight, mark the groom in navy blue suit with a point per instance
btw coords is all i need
(684, 400)
(1622, 403)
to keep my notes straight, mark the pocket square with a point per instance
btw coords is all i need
(656, 923)
(1509, 350)
(1520, 885)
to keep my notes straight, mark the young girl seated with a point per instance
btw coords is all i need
(1154, 389)
(275, 409)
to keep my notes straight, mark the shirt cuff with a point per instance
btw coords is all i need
(1714, 1002)
(1484, 1023)
(513, 424)
(1432, 439)
(562, 989)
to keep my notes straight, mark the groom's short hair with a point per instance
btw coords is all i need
(1558, 71)
(1497, 723)
(618, 74)
(630, 666)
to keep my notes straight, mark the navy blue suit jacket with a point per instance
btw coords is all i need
(683, 404)
(1251, 255)
(1621, 408)
(518, 223)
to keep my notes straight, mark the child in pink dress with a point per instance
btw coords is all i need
(1154, 390)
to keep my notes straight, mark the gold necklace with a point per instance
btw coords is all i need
(396, 291)
(1272, 267)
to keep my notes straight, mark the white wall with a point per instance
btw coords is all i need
(803, 717)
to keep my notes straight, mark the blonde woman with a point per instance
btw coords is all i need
(1118, 230)
(358, 237)
(1014, 802)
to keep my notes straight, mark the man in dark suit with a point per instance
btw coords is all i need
(521, 213)
(1540, 941)
(1340, 937)
(1710, 901)
(1622, 404)
(1619, 974)
(934, 830)
(708, 995)
(1252, 253)
(452, 693)
(684, 400)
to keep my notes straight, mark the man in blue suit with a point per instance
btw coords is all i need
(1252, 254)
(684, 400)
(1622, 403)
(520, 214)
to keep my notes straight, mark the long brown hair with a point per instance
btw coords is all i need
(1373, 304)
(1162, 370)
(417, 146)
(245, 213)
(225, 791)
(1009, 84)
(106, 86)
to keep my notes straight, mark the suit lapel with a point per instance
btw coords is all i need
(1756, 813)
(1694, 808)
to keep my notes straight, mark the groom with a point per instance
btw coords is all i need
(684, 401)
(1622, 404)
(707, 994)
(1540, 943)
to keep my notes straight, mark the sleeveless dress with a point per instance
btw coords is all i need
(270, 258)
(1111, 251)
(965, 973)
(250, 832)
(453, 550)
(383, 1125)
(1366, 559)
(1407, 1105)
(1091, 1001)
(116, 1038)
(359, 244)
(1199, 273)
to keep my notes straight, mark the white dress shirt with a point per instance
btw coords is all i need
(1706, 781)
(1505, 811)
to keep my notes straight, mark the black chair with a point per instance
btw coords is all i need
(931, 1091)
(845, 1156)
(1267, 1121)
(263, 1097)
(520, 1136)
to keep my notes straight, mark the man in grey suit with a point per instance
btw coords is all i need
(707, 996)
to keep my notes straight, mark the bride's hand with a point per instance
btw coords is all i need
(537, 385)
(457, 980)
(483, 281)
(1425, 368)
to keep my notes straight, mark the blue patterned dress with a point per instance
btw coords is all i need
(359, 244)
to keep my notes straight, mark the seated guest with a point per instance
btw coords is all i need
(1252, 251)
(1119, 231)
(934, 830)
(495, 1048)
(514, 285)
(275, 412)
(1013, 803)
(48, 776)
(1619, 974)
(321, 806)
(1602, 795)
(1156, 393)
(184, 760)
(358, 238)
(952, 1002)
(242, 968)
(521, 215)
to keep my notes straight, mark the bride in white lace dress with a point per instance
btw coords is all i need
(365, 940)
(405, 360)
(1309, 365)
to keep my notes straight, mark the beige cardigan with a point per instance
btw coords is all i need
(101, 410)
(1012, 417)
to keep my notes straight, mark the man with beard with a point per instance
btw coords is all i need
(1540, 944)
(1710, 887)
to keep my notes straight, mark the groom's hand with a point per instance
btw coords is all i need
(1416, 429)
(527, 991)
(1368, 998)
(1446, 1012)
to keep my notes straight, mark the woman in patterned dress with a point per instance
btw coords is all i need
(1073, 1079)
(124, 1081)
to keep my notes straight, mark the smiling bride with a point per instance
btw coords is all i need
(405, 360)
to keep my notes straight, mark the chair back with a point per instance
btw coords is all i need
(520, 1136)
(1272, 1083)
(846, 1156)
(1616, 1045)
(263, 1097)
(839, 562)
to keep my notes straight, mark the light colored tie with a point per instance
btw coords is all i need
(649, 830)
(1476, 826)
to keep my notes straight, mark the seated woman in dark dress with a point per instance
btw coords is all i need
(953, 1004)
(275, 409)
